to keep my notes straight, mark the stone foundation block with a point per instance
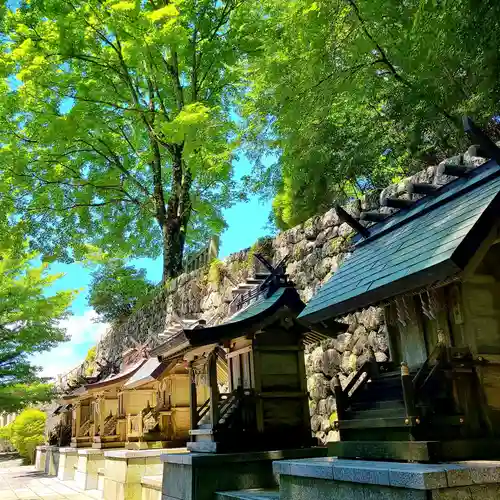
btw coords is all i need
(125, 469)
(329, 478)
(151, 487)
(40, 458)
(89, 462)
(52, 460)
(68, 458)
(198, 476)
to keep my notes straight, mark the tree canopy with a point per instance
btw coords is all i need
(116, 123)
(29, 323)
(116, 290)
(352, 94)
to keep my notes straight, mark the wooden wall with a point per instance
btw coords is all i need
(481, 327)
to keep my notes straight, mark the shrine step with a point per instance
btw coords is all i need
(376, 413)
(261, 276)
(390, 404)
(255, 494)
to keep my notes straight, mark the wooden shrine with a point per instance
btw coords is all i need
(265, 404)
(154, 403)
(95, 419)
(434, 267)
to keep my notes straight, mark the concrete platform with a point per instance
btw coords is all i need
(86, 473)
(256, 494)
(198, 476)
(125, 469)
(317, 479)
(151, 487)
(68, 459)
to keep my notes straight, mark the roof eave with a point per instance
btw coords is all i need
(434, 274)
(225, 331)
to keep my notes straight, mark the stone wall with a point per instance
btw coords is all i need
(316, 249)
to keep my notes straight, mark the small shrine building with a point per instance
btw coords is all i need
(434, 267)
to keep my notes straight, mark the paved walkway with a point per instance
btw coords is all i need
(22, 481)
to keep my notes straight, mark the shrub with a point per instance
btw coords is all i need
(28, 432)
(5, 438)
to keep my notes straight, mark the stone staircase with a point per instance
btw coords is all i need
(246, 292)
(176, 325)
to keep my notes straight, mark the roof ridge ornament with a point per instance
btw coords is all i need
(477, 134)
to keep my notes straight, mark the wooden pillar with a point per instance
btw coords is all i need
(101, 413)
(408, 393)
(193, 403)
(213, 388)
(339, 397)
(77, 419)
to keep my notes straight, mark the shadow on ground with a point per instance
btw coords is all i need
(7, 456)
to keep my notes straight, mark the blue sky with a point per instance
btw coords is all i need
(246, 223)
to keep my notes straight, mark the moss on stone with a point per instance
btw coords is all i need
(216, 272)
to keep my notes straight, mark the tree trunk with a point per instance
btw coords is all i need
(174, 226)
(173, 250)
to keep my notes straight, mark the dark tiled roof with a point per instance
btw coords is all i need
(257, 307)
(248, 319)
(429, 242)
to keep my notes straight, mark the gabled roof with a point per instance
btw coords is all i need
(248, 319)
(148, 372)
(429, 242)
(119, 377)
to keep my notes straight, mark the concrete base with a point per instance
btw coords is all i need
(40, 458)
(68, 458)
(52, 459)
(151, 487)
(148, 445)
(124, 469)
(327, 478)
(197, 476)
(89, 462)
(100, 480)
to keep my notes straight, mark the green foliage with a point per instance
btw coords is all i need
(28, 432)
(29, 323)
(216, 272)
(352, 94)
(90, 357)
(264, 246)
(89, 361)
(6, 432)
(116, 290)
(119, 135)
(15, 397)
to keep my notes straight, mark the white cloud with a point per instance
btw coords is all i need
(84, 333)
(83, 328)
